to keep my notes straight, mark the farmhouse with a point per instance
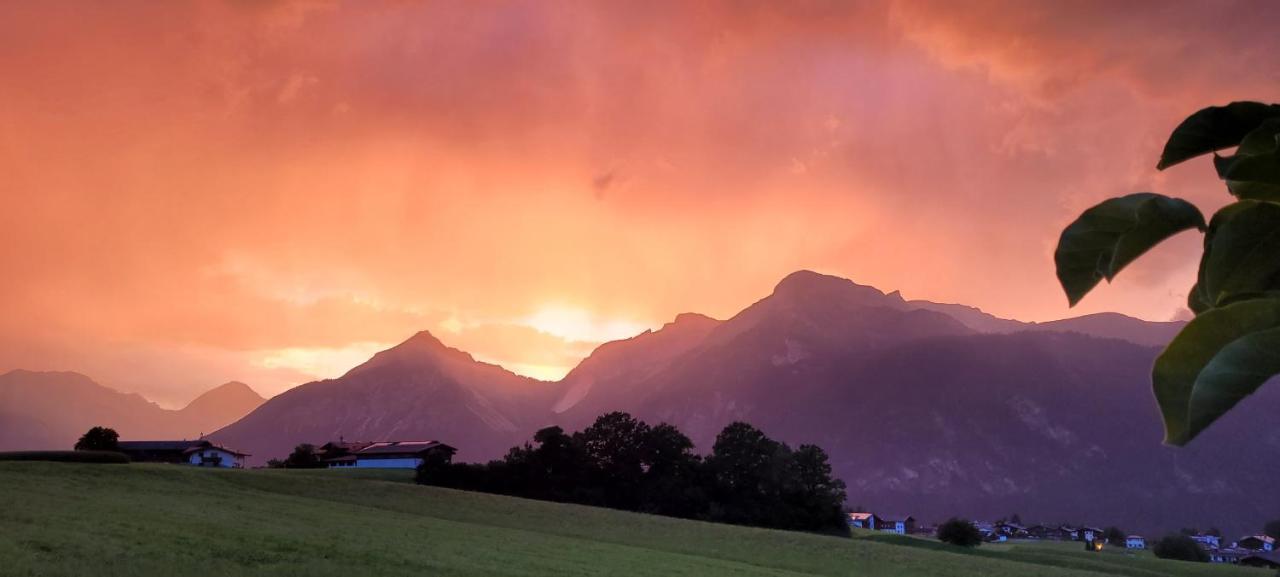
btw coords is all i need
(900, 524)
(1135, 542)
(1258, 543)
(385, 455)
(1090, 534)
(1229, 555)
(201, 453)
(1012, 530)
(1207, 541)
(1042, 532)
(863, 520)
(1267, 559)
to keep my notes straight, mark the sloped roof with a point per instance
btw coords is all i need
(861, 516)
(401, 447)
(160, 445)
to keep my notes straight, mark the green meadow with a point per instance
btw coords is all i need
(167, 520)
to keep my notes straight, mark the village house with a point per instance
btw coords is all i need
(1207, 541)
(200, 452)
(1263, 543)
(863, 520)
(1231, 555)
(1090, 534)
(1135, 542)
(1042, 532)
(900, 524)
(1264, 559)
(1068, 533)
(1012, 530)
(383, 455)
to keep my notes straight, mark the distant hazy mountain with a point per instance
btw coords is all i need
(219, 407)
(419, 389)
(50, 410)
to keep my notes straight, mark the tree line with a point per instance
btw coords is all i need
(623, 463)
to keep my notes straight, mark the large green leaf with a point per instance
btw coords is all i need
(1241, 252)
(1174, 377)
(1253, 172)
(1233, 374)
(1214, 128)
(1112, 234)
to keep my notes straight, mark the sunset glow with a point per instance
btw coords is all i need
(270, 192)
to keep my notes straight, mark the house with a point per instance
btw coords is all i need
(1207, 541)
(400, 454)
(200, 452)
(1042, 532)
(1231, 555)
(1068, 533)
(863, 520)
(1135, 542)
(1268, 560)
(341, 453)
(900, 524)
(1264, 543)
(1090, 534)
(1012, 530)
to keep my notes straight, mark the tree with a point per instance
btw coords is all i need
(1232, 346)
(1272, 528)
(1180, 548)
(99, 439)
(1114, 535)
(959, 532)
(304, 456)
(1016, 519)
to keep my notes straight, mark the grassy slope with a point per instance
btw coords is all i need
(73, 519)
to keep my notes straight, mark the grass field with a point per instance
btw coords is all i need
(168, 520)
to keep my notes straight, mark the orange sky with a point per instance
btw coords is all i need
(197, 192)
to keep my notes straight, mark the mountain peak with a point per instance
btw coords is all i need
(810, 286)
(690, 319)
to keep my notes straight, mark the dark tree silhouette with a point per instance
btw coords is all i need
(1272, 528)
(99, 439)
(304, 456)
(622, 462)
(959, 532)
(1180, 548)
(1114, 536)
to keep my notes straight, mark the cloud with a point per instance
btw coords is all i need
(196, 198)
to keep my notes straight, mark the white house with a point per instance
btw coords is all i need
(1208, 541)
(900, 524)
(1263, 543)
(399, 454)
(1135, 542)
(200, 452)
(863, 520)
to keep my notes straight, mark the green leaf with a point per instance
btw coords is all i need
(1233, 374)
(1177, 370)
(1253, 172)
(1196, 300)
(1241, 252)
(1112, 234)
(1214, 128)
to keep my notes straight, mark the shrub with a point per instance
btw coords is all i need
(959, 532)
(1114, 536)
(99, 439)
(66, 456)
(1180, 548)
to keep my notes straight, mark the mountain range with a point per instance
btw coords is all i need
(925, 408)
(50, 410)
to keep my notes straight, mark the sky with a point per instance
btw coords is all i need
(196, 192)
